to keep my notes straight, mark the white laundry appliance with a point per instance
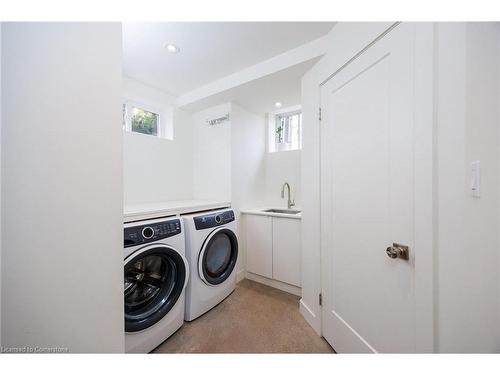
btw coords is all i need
(212, 252)
(156, 273)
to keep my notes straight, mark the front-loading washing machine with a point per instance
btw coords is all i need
(212, 252)
(156, 273)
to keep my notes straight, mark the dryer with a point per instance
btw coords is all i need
(156, 273)
(212, 253)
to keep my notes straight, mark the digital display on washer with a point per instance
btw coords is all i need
(213, 220)
(142, 234)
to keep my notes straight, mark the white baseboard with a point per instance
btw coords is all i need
(310, 317)
(292, 289)
(240, 275)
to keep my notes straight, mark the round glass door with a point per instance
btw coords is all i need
(154, 280)
(219, 256)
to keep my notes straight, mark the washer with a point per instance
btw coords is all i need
(156, 274)
(212, 252)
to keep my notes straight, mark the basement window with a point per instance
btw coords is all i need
(286, 131)
(137, 119)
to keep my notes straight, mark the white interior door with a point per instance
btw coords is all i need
(367, 193)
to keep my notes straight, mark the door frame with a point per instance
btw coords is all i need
(424, 178)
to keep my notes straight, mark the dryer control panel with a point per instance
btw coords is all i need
(213, 220)
(142, 234)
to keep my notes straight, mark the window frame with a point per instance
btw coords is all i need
(273, 144)
(128, 105)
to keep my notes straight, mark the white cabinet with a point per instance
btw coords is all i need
(273, 247)
(286, 250)
(259, 245)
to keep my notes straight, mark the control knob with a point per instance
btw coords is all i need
(148, 232)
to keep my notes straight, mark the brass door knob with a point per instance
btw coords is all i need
(398, 251)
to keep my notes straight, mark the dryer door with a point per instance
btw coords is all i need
(155, 277)
(218, 256)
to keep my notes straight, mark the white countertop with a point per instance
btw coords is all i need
(169, 208)
(260, 211)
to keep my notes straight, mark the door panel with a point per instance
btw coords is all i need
(367, 199)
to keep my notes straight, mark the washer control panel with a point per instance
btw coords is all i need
(142, 234)
(213, 220)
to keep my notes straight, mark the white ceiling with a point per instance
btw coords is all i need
(209, 50)
(259, 96)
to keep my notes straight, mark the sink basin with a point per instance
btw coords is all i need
(283, 211)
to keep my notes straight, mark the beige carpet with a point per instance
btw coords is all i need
(253, 319)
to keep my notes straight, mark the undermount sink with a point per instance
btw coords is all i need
(283, 211)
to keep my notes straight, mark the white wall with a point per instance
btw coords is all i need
(62, 275)
(212, 155)
(467, 130)
(498, 97)
(229, 161)
(157, 169)
(248, 147)
(0, 184)
(248, 150)
(281, 167)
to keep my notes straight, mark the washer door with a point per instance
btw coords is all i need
(155, 277)
(218, 256)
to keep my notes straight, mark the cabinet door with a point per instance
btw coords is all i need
(259, 244)
(286, 250)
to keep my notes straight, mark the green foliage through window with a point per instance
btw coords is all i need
(288, 131)
(144, 122)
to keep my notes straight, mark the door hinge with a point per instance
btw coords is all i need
(319, 116)
(320, 298)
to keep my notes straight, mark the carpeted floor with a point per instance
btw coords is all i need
(255, 318)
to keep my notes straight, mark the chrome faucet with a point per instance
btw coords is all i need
(290, 203)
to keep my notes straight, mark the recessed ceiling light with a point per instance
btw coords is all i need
(172, 48)
(277, 105)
